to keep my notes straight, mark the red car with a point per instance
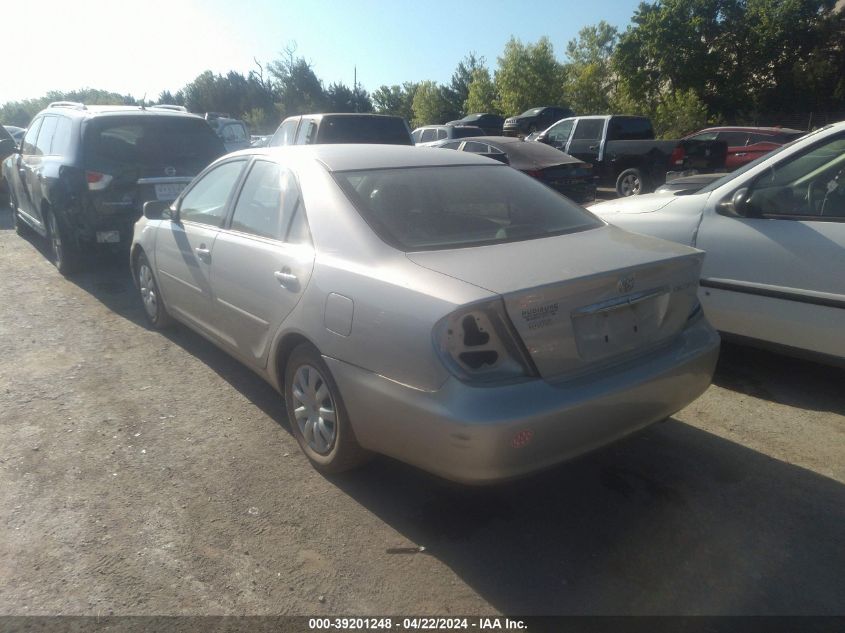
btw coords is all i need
(747, 143)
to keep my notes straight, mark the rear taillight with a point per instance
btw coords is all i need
(478, 344)
(97, 181)
(678, 155)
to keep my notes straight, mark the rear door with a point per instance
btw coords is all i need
(183, 248)
(777, 275)
(34, 178)
(262, 261)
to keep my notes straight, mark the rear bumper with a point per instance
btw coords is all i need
(481, 435)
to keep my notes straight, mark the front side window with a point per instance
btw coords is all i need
(428, 135)
(45, 136)
(207, 200)
(810, 185)
(28, 145)
(734, 139)
(559, 133)
(428, 208)
(267, 201)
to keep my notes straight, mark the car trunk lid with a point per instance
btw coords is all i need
(586, 300)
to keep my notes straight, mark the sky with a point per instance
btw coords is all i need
(141, 47)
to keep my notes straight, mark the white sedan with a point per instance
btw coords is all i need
(774, 232)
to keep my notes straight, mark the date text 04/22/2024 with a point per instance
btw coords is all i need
(415, 624)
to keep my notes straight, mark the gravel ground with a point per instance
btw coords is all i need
(148, 473)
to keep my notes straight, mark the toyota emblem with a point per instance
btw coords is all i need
(170, 171)
(625, 284)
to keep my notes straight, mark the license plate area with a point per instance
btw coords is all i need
(169, 190)
(610, 328)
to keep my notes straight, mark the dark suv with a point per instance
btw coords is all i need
(308, 129)
(82, 174)
(534, 120)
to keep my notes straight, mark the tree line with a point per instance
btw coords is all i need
(684, 63)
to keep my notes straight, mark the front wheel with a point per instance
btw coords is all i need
(65, 257)
(630, 182)
(154, 309)
(317, 414)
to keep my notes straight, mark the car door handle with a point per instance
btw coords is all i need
(741, 154)
(286, 278)
(594, 147)
(203, 252)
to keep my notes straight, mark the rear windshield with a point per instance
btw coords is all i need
(633, 129)
(151, 140)
(429, 208)
(363, 129)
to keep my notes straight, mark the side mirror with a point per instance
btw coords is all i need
(158, 210)
(736, 205)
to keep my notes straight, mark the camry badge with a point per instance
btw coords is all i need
(625, 284)
(170, 171)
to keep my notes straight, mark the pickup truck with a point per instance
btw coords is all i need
(625, 154)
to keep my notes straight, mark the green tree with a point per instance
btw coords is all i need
(395, 99)
(300, 90)
(430, 105)
(529, 75)
(481, 96)
(678, 113)
(457, 91)
(341, 98)
(590, 84)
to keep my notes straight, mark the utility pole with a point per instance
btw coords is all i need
(355, 86)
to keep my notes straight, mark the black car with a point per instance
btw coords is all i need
(308, 129)
(429, 133)
(83, 173)
(490, 123)
(570, 176)
(534, 120)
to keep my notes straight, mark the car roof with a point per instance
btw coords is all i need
(89, 111)
(349, 157)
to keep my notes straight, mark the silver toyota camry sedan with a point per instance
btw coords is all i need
(434, 306)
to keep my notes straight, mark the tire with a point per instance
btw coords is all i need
(312, 398)
(154, 309)
(631, 182)
(64, 254)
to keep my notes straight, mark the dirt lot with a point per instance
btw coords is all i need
(143, 473)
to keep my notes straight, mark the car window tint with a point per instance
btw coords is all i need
(429, 134)
(425, 208)
(810, 184)
(61, 137)
(476, 147)
(463, 132)
(451, 145)
(45, 135)
(704, 136)
(588, 130)
(626, 128)
(763, 138)
(266, 201)
(734, 139)
(442, 134)
(28, 146)
(206, 201)
(234, 133)
(416, 135)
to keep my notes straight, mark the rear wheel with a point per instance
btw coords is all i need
(630, 182)
(65, 256)
(317, 414)
(154, 309)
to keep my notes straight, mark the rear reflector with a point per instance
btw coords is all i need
(97, 181)
(522, 438)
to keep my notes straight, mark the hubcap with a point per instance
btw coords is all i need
(630, 185)
(148, 291)
(314, 409)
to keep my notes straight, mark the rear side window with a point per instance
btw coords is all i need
(588, 130)
(182, 142)
(364, 129)
(734, 139)
(267, 201)
(428, 208)
(234, 133)
(61, 137)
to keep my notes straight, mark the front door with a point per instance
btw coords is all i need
(779, 274)
(184, 246)
(19, 185)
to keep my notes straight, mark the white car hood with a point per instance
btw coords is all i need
(634, 204)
